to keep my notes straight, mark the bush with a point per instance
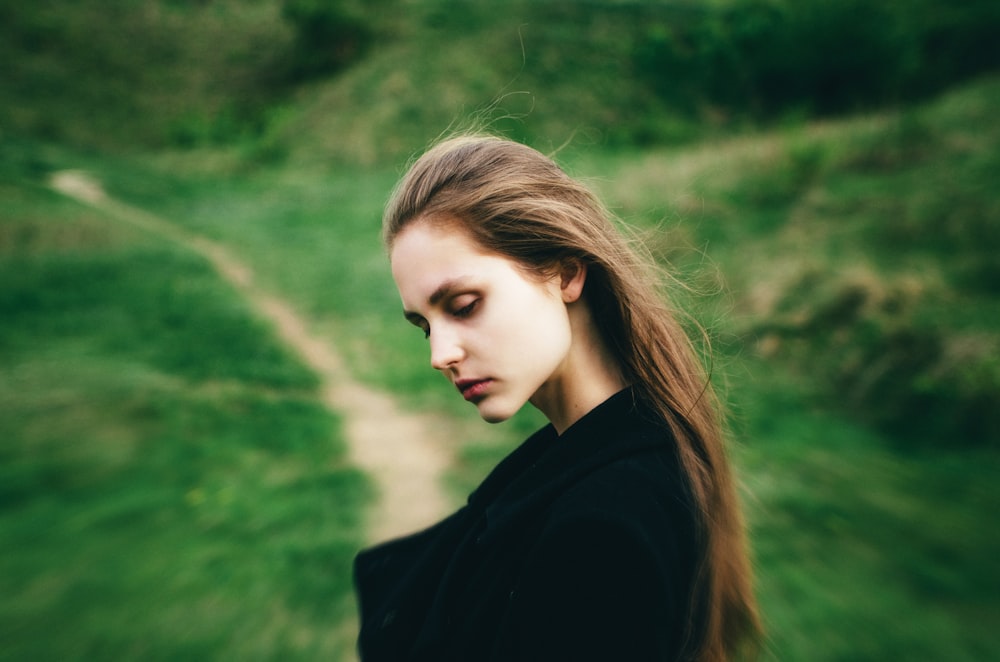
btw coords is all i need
(916, 381)
(763, 57)
(329, 35)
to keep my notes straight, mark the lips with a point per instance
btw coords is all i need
(473, 389)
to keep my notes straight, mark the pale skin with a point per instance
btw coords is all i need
(502, 336)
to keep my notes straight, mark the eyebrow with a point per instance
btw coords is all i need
(440, 293)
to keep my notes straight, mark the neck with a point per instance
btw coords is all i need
(589, 376)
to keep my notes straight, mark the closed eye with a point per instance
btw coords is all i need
(466, 310)
(462, 307)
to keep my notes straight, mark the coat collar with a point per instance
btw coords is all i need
(547, 464)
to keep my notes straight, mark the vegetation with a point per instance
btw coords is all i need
(766, 57)
(170, 485)
(185, 73)
(887, 300)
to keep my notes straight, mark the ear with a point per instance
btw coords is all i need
(572, 276)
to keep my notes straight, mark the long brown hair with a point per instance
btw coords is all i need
(518, 203)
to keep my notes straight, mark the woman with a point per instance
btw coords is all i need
(611, 534)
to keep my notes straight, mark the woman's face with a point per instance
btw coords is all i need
(496, 333)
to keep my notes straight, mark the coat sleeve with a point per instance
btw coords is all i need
(597, 588)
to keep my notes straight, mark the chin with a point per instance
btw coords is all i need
(492, 413)
(495, 418)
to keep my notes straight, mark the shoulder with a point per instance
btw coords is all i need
(643, 493)
(630, 490)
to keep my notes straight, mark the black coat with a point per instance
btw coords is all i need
(576, 547)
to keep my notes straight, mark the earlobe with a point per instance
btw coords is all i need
(573, 275)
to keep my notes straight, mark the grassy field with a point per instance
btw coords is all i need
(869, 541)
(171, 486)
(861, 254)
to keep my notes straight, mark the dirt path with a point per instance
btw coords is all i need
(404, 453)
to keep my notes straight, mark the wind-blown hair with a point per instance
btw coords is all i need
(515, 202)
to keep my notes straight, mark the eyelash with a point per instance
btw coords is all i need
(465, 311)
(462, 313)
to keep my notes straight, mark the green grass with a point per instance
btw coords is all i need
(863, 552)
(861, 254)
(119, 74)
(132, 76)
(170, 486)
(869, 544)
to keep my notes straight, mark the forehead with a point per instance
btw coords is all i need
(423, 245)
(425, 255)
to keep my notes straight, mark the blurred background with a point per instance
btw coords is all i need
(822, 173)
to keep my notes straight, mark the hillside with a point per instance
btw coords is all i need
(863, 255)
(353, 82)
(171, 485)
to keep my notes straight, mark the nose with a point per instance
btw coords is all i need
(446, 349)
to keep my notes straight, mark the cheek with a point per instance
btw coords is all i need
(537, 327)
